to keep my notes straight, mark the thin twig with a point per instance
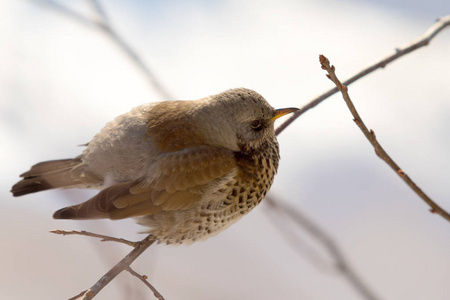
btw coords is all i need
(342, 264)
(370, 135)
(290, 232)
(143, 278)
(100, 11)
(105, 26)
(421, 41)
(104, 238)
(78, 296)
(118, 268)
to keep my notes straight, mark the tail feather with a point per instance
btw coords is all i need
(48, 175)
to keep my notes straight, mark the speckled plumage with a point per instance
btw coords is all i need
(185, 169)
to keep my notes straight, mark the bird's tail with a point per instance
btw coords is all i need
(48, 175)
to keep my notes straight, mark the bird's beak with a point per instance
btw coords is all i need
(283, 111)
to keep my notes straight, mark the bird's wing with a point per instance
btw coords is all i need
(177, 181)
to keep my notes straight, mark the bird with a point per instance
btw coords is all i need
(185, 170)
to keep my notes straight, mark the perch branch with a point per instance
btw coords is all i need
(421, 41)
(370, 135)
(117, 269)
(104, 238)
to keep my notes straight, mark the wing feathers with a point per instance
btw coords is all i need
(177, 181)
(98, 206)
(190, 167)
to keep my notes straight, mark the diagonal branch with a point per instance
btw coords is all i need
(421, 41)
(342, 264)
(370, 135)
(105, 26)
(68, 12)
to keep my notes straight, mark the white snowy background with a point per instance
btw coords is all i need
(61, 81)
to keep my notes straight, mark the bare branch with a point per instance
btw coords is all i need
(300, 218)
(421, 41)
(68, 12)
(104, 238)
(143, 278)
(105, 26)
(78, 296)
(342, 264)
(370, 135)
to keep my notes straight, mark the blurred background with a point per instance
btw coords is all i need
(62, 78)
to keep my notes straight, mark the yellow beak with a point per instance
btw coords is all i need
(283, 111)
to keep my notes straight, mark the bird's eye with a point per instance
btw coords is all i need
(256, 125)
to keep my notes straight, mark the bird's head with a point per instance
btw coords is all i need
(239, 119)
